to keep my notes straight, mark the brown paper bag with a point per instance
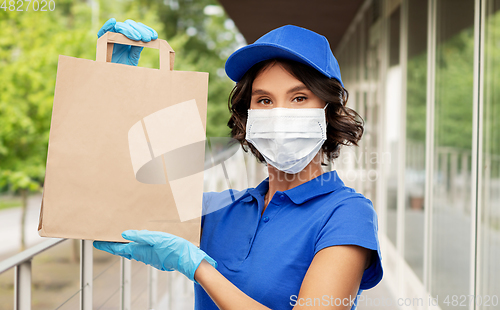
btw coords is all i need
(126, 147)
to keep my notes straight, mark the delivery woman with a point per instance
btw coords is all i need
(301, 238)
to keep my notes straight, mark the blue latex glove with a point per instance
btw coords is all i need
(161, 250)
(127, 54)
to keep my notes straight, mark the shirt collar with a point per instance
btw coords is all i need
(323, 184)
(258, 192)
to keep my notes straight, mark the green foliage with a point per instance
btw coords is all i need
(32, 41)
(202, 43)
(491, 112)
(454, 86)
(29, 48)
(416, 98)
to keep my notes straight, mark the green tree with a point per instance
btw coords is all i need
(491, 112)
(32, 41)
(29, 48)
(454, 85)
(203, 37)
(416, 98)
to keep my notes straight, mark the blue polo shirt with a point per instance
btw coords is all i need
(268, 256)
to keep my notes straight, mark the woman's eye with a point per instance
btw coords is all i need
(299, 99)
(264, 101)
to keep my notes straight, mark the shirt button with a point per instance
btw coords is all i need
(282, 197)
(266, 219)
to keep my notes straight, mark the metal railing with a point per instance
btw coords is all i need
(22, 264)
(22, 277)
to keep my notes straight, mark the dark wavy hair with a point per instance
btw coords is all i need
(345, 126)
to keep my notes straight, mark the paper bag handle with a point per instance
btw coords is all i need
(104, 49)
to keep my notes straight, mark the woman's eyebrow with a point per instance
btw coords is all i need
(297, 88)
(259, 92)
(291, 90)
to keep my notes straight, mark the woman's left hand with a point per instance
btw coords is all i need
(127, 54)
(161, 250)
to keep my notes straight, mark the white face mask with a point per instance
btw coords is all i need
(287, 138)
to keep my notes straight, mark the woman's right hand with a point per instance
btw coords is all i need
(127, 54)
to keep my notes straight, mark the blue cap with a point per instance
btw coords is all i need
(288, 42)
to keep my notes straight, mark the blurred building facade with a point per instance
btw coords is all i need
(425, 77)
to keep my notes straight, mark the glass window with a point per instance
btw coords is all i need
(392, 124)
(416, 92)
(489, 284)
(451, 220)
